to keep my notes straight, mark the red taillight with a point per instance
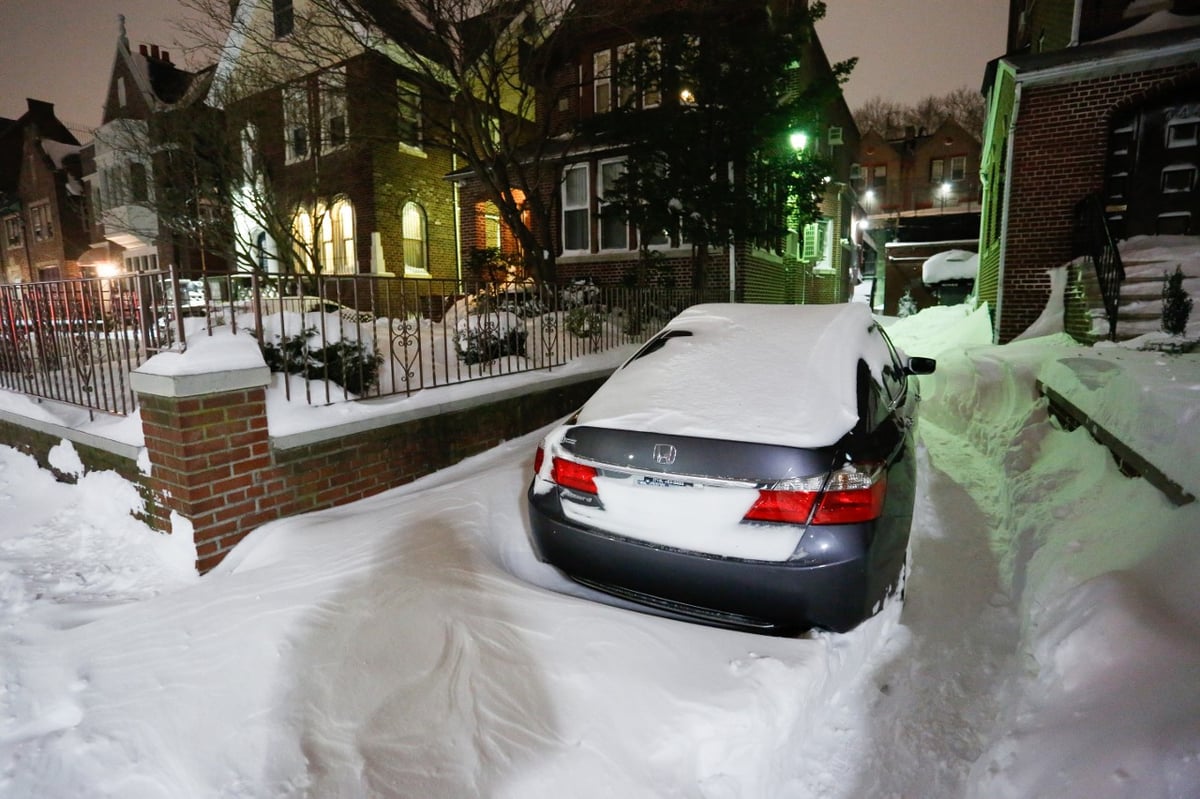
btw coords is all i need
(853, 494)
(781, 506)
(570, 474)
(538, 458)
(852, 505)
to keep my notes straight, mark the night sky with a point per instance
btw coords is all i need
(62, 51)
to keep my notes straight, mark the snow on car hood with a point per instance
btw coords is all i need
(780, 374)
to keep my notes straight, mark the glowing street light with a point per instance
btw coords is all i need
(799, 141)
(944, 192)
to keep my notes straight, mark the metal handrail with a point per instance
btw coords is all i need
(1094, 240)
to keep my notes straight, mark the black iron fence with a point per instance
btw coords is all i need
(336, 338)
(75, 341)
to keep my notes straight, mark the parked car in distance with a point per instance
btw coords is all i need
(751, 467)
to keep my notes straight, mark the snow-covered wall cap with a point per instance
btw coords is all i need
(211, 365)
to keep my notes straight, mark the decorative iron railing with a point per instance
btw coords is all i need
(341, 337)
(1094, 240)
(75, 341)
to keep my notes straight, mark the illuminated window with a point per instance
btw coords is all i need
(416, 245)
(302, 234)
(337, 239)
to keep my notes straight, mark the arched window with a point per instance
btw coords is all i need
(328, 234)
(413, 230)
(302, 233)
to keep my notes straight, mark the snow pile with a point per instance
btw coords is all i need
(410, 645)
(950, 265)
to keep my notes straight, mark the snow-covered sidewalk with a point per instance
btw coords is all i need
(410, 645)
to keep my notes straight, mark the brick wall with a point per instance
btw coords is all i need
(1058, 157)
(215, 464)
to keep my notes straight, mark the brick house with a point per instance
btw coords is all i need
(816, 264)
(921, 172)
(344, 142)
(42, 208)
(1096, 97)
(128, 166)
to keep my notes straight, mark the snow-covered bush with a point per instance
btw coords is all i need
(583, 322)
(351, 364)
(485, 337)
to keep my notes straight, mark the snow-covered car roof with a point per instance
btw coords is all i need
(780, 374)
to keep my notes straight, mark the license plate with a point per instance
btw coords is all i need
(663, 482)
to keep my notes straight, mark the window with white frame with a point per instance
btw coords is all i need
(937, 170)
(575, 209)
(12, 231)
(334, 123)
(491, 230)
(43, 222)
(652, 91)
(408, 113)
(602, 81)
(1178, 178)
(413, 229)
(295, 123)
(283, 16)
(1183, 132)
(614, 229)
(139, 183)
(624, 78)
(958, 167)
(815, 242)
(879, 176)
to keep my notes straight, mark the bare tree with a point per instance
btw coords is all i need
(892, 120)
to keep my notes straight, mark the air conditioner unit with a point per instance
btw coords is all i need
(835, 135)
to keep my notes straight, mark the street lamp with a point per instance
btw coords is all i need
(944, 191)
(799, 140)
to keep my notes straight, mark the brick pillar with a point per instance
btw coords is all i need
(206, 437)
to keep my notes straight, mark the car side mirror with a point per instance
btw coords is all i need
(920, 366)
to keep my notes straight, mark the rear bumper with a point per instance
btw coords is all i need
(780, 598)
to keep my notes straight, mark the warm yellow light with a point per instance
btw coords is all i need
(686, 97)
(107, 269)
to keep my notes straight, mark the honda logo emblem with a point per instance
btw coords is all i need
(664, 454)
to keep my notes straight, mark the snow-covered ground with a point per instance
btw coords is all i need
(409, 645)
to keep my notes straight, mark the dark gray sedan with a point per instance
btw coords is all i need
(751, 466)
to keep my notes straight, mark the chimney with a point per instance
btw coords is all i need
(142, 49)
(154, 51)
(166, 56)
